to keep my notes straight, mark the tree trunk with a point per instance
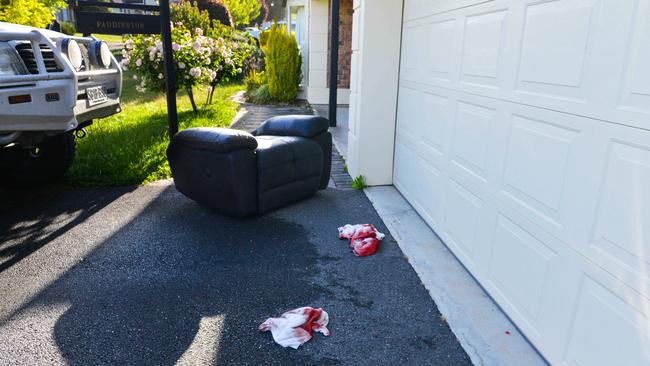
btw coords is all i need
(191, 95)
(212, 93)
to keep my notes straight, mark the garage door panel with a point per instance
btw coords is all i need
(416, 8)
(430, 197)
(636, 86)
(542, 303)
(409, 112)
(406, 172)
(439, 43)
(431, 155)
(620, 236)
(551, 168)
(553, 52)
(461, 221)
(472, 131)
(585, 62)
(624, 213)
(435, 116)
(523, 139)
(536, 166)
(482, 48)
(520, 264)
(412, 50)
(619, 336)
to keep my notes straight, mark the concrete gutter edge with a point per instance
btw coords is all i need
(484, 331)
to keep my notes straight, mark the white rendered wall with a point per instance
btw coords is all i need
(376, 37)
(317, 90)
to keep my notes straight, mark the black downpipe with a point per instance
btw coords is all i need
(334, 61)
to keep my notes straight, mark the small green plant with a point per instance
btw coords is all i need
(254, 80)
(359, 183)
(68, 28)
(283, 64)
(345, 168)
(261, 95)
(264, 37)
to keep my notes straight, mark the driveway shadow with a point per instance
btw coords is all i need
(139, 298)
(178, 282)
(32, 218)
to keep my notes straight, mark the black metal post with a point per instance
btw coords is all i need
(170, 77)
(334, 60)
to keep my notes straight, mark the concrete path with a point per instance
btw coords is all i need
(249, 116)
(144, 276)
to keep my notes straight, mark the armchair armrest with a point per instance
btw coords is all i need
(293, 125)
(221, 140)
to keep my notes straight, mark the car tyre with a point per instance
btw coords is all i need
(47, 162)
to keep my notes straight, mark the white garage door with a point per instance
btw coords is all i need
(523, 139)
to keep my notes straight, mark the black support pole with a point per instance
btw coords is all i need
(170, 77)
(334, 61)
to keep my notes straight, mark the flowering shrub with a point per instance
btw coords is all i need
(199, 59)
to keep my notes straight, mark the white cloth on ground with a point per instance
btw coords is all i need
(295, 327)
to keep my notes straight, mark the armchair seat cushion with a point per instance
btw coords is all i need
(289, 169)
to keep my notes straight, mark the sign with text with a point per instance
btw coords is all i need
(115, 23)
(90, 21)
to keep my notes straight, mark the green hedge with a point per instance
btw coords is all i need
(283, 63)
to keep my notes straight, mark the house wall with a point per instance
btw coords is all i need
(317, 88)
(376, 39)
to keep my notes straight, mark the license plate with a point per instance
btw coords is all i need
(96, 95)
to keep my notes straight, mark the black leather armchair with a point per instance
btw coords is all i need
(285, 160)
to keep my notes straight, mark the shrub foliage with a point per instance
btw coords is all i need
(68, 28)
(217, 10)
(283, 63)
(243, 11)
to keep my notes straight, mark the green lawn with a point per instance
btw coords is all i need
(129, 147)
(111, 38)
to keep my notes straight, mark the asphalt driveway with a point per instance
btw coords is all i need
(144, 276)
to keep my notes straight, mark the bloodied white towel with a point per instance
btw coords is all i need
(364, 238)
(295, 327)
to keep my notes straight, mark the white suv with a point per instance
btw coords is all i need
(51, 84)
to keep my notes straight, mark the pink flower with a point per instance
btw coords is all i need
(138, 62)
(195, 72)
(176, 46)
